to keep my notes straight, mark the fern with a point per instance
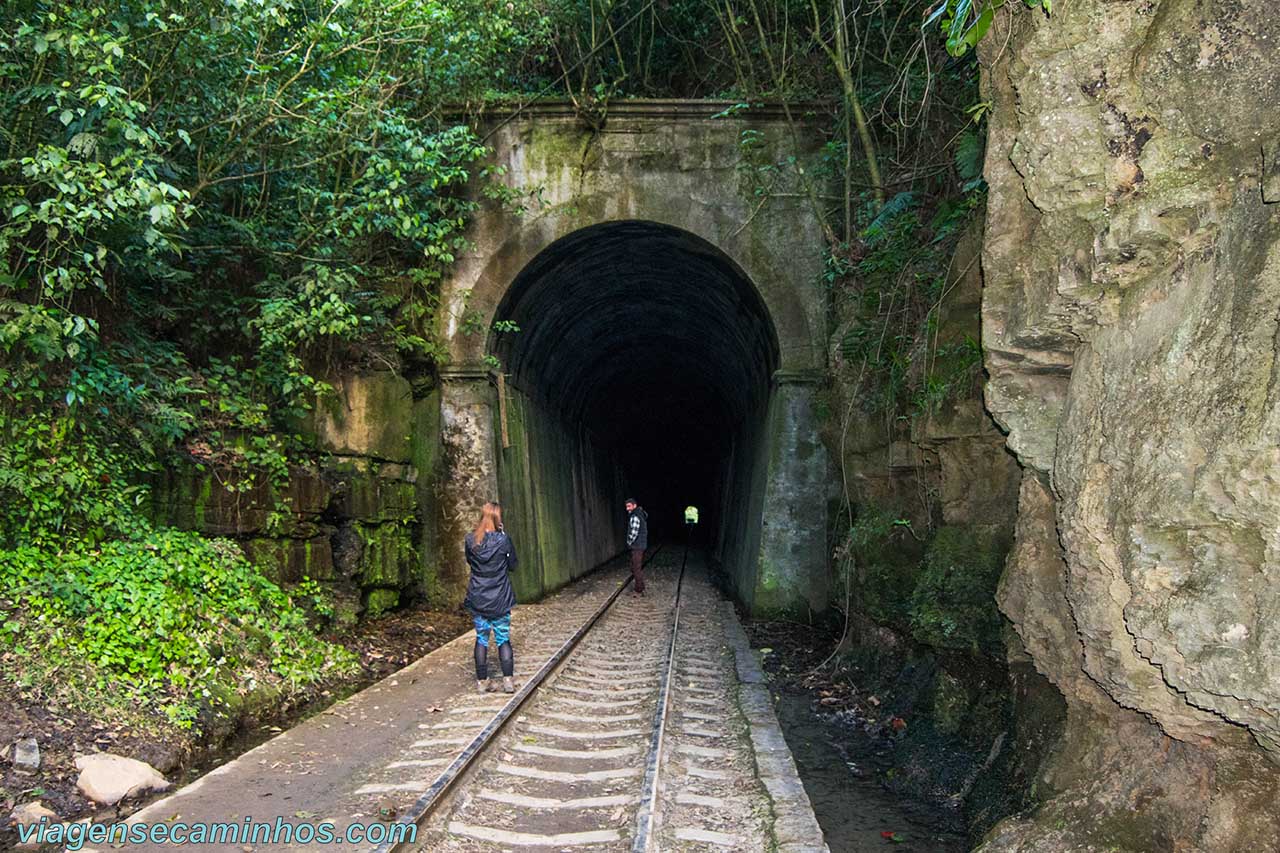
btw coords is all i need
(893, 208)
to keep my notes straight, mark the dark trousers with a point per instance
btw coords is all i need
(637, 568)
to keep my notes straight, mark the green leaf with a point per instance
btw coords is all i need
(959, 19)
(979, 29)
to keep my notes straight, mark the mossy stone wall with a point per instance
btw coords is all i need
(360, 518)
(561, 497)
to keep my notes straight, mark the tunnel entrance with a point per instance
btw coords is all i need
(648, 356)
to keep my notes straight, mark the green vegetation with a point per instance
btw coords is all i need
(879, 561)
(202, 207)
(161, 622)
(896, 290)
(938, 587)
(946, 677)
(206, 206)
(965, 22)
(903, 154)
(953, 602)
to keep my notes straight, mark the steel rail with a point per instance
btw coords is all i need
(646, 819)
(434, 795)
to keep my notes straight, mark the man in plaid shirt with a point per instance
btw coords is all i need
(637, 541)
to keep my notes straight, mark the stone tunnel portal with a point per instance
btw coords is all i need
(644, 364)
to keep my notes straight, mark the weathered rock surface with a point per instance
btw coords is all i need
(107, 779)
(26, 754)
(925, 634)
(1132, 266)
(30, 814)
(370, 415)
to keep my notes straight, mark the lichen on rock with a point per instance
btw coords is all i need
(1130, 327)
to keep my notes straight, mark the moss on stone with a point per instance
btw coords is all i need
(370, 415)
(953, 604)
(200, 501)
(379, 601)
(951, 702)
(514, 485)
(434, 591)
(425, 452)
(886, 561)
(291, 560)
(388, 558)
(365, 493)
(346, 611)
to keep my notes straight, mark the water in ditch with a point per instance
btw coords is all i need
(838, 765)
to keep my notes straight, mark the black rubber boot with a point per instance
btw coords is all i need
(507, 659)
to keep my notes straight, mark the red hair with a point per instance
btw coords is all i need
(490, 521)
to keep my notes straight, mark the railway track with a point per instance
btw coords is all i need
(629, 738)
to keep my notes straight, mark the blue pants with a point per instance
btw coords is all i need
(501, 628)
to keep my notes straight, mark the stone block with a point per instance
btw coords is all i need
(379, 601)
(370, 414)
(291, 560)
(366, 491)
(377, 555)
(228, 504)
(388, 558)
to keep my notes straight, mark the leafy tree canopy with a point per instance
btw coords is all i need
(201, 200)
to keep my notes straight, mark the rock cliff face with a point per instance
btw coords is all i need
(1130, 318)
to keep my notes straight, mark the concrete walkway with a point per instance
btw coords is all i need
(380, 749)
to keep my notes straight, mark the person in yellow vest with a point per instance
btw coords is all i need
(690, 521)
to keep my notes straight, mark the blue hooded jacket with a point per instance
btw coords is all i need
(489, 592)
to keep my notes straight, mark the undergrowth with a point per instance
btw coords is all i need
(953, 601)
(204, 207)
(894, 284)
(156, 624)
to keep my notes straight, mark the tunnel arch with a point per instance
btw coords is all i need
(643, 297)
(643, 364)
(487, 277)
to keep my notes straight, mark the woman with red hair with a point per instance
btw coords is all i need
(490, 597)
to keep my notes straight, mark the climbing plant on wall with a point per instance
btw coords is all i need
(964, 23)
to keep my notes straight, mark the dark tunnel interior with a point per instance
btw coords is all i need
(656, 345)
